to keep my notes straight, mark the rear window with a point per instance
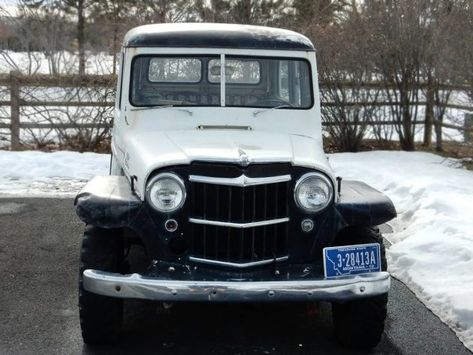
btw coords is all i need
(236, 71)
(175, 70)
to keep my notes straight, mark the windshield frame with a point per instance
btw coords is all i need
(204, 77)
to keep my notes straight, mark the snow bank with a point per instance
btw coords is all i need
(38, 174)
(432, 249)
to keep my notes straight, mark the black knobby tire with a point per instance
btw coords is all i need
(100, 316)
(359, 324)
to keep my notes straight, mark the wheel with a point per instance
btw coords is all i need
(100, 316)
(359, 324)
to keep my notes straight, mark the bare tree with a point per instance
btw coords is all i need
(77, 8)
(461, 49)
(309, 14)
(39, 31)
(346, 64)
(162, 11)
(116, 17)
(401, 46)
(261, 12)
(67, 122)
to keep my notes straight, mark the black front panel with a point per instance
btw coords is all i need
(208, 204)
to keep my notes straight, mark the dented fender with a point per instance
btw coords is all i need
(107, 202)
(362, 205)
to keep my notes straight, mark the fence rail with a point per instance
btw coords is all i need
(58, 80)
(14, 82)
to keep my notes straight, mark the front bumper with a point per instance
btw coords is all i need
(137, 286)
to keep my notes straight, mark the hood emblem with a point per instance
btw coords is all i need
(244, 158)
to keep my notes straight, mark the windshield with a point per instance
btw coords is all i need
(260, 82)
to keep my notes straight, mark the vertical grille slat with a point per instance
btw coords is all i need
(276, 229)
(242, 231)
(217, 210)
(286, 241)
(229, 232)
(265, 216)
(204, 215)
(253, 230)
(239, 204)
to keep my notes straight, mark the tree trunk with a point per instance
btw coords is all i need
(15, 111)
(429, 116)
(81, 35)
(406, 139)
(114, 49)
(246, 11)
(438, 135)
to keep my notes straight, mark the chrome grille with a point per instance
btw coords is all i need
(239, 221)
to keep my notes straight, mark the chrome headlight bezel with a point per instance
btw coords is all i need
(303, 179)
(161, 176)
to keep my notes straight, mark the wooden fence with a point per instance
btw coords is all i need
(14, 82)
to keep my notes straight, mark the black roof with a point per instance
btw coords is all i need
(213, 35)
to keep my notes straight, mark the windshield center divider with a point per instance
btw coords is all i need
(222, 80)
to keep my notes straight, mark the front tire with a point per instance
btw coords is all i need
(100, 316)
(359, 324)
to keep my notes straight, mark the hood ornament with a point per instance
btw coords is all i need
(244, 158)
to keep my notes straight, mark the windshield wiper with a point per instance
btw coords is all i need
(257, 112)
(157, 107)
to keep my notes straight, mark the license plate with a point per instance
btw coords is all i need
(351, 259)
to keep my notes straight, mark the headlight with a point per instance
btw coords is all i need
(313, 192)
(166, 192)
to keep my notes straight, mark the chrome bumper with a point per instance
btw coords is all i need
(137, 286)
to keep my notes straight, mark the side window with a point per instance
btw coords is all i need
(295, 75)
(284, 80)
(293, 78)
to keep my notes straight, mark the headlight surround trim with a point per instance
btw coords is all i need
(160, 176)
(322, 177)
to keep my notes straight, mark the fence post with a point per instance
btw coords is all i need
(14, 111)
(468, 124)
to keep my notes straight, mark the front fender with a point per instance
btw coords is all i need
(362, 205)
(107, 202)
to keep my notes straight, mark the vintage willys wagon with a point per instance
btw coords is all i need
(218, 173)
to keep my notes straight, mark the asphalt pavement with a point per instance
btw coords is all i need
(39, 248)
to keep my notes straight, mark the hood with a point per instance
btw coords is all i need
(149, 151)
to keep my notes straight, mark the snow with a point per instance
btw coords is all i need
(38, 174)
(432, 239)
(432, 249)
(66, 62)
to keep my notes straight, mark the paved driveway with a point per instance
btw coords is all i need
(39, 247)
